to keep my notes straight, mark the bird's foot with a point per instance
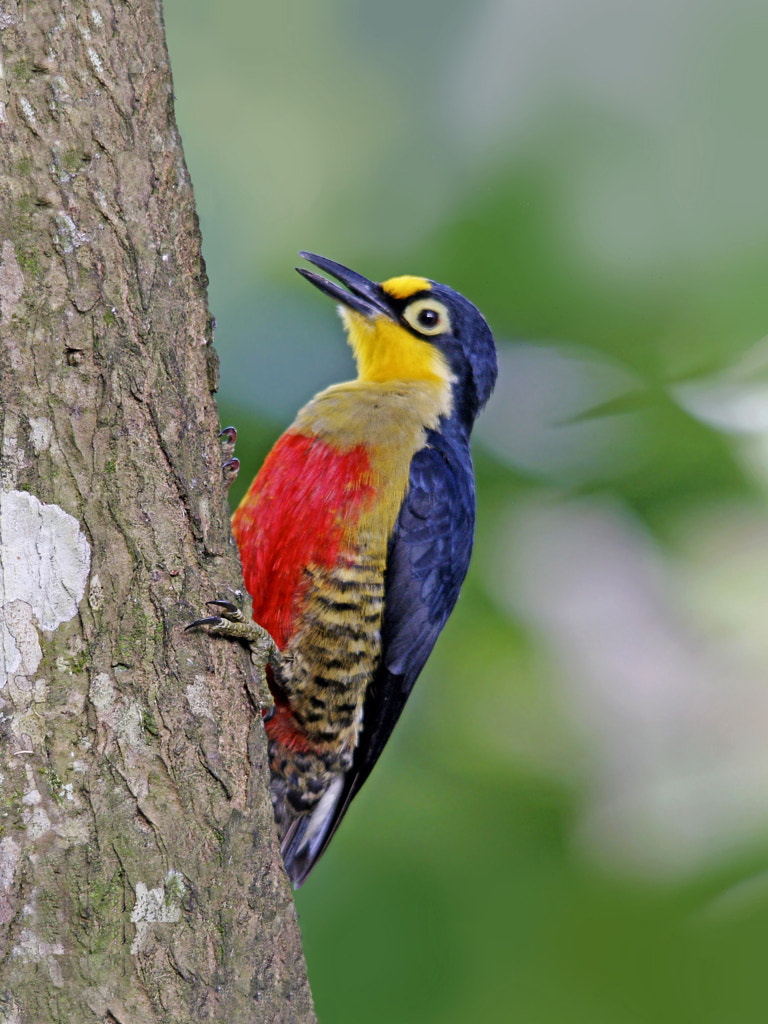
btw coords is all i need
(231, 466)
(231, 622)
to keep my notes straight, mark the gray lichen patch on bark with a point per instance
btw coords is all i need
(161, 905)
(11, 281)
(44, 563)
(139, 874)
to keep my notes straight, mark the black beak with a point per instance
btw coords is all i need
(364, 296)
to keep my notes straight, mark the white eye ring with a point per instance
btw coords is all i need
(427, 316)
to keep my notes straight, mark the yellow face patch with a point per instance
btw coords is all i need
(385, 351)
(405, 286)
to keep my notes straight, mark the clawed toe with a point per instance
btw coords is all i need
(230, 469)
(227, 610)
(227, 613)
(228, 436)
(211, 620)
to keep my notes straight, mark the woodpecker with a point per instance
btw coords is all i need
(355, 538)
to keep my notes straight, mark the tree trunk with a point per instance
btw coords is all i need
(140, 879)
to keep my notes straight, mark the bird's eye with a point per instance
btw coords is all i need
(427, 316)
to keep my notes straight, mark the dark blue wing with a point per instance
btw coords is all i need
(428, 560)
(426, 565)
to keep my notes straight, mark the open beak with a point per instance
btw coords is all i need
(363, 296)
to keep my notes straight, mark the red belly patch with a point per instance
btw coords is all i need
(281, 728)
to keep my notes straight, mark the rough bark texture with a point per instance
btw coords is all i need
(139, 875)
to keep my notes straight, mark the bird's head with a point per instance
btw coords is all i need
(410, 328)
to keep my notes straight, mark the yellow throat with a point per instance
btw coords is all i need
(386, 351)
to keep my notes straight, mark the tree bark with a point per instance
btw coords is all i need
(140, 879)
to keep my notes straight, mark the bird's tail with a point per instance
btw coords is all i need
(304, 838)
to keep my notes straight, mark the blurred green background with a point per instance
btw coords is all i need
(571, 822)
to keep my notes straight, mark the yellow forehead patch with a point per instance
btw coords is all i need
(405, 286)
